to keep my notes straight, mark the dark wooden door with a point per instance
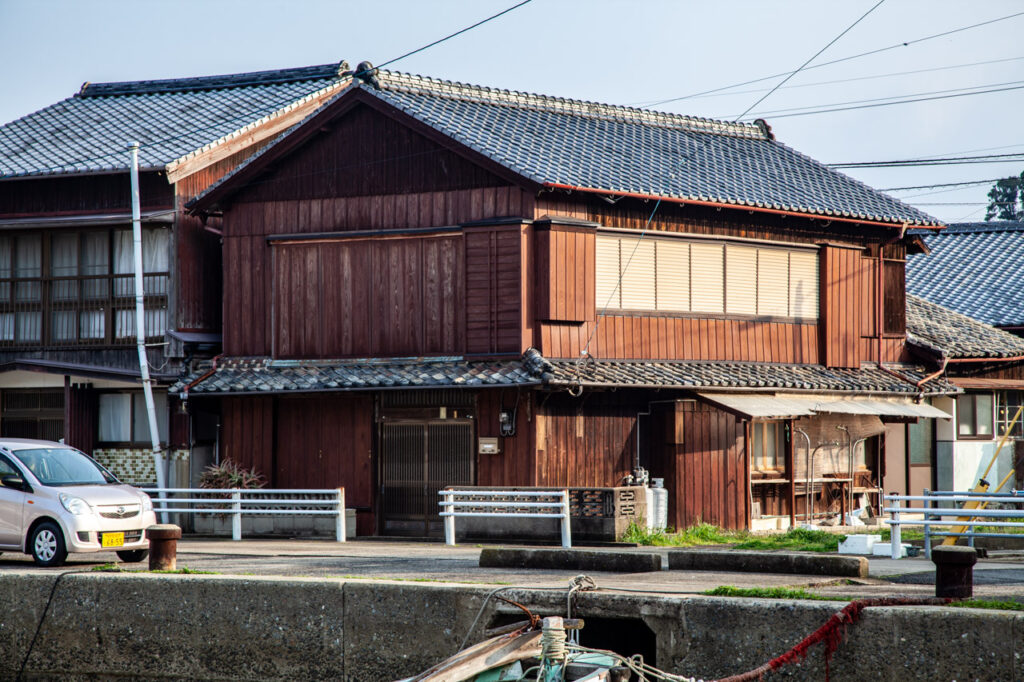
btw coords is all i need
(418, 458)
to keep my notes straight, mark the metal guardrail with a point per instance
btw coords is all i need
(969, 519)
(507, 507)
(240, 502)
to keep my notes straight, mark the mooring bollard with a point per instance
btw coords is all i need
(954, 571)
(163, 546)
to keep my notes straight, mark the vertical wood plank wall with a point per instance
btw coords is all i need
(841, 286)
(565, 274)
(494, 289)
(516, 463)
(247, 433)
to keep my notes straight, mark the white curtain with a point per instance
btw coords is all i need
(155, 258)
(95, 262)
(64, 263)
(115, 417)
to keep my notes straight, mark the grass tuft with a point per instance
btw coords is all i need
(796, 539)
(769, 593)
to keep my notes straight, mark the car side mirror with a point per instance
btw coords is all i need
(16, 482)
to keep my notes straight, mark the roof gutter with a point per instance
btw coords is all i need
(922, 382)
(1014, 358)
(716, 204)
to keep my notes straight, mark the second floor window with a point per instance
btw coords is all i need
(675, 275)
(974, 415)
(75, 288)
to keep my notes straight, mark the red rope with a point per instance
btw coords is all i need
(831, 633)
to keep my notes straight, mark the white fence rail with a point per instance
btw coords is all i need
(239, 502)
(944, 522)
(513, 504)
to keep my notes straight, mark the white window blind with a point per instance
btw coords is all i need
(803, 285)
(772, 282)
(638, 279)
(607, 257)
(740, 280)
(707, 278)
(673, 275)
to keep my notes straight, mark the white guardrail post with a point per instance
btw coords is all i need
(897, 537)
(340, 524)
(566, 530)
(448, 505)
(236, 515)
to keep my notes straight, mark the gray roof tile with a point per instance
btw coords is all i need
(90, 131)
(973, 269)
(951, 334)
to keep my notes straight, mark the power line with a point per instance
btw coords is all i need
(816, 107)
(842, 59)
(457, 33)
(905, 101)
(942, 184)
(936, 161)
(816, 54)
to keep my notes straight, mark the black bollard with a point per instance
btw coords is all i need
(954, 571)
(163, 546)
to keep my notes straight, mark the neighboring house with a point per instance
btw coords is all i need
(69, 368)
(429, 283)
(974, 269)
(988, 364)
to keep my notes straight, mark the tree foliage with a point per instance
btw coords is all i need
(1006, 199)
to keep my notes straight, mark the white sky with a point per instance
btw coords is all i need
(625, 52)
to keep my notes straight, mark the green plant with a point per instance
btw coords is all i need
(769, 593)
(800, 539)
(228, 474)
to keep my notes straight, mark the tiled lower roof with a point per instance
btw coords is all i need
(946, 332)
(263, 375)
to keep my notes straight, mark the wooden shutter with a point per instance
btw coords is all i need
(608, 294)
(637, 258)
(740, 280)
(803, 285)
(673, 275)
(707, 278)
(772, 282)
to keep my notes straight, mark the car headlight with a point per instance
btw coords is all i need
(147, 503)
(75, 505)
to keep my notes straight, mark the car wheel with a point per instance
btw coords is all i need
(132, 556)
(47, 545)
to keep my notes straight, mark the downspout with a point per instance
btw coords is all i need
(806, 470)
(922, 382)
(849, 453)
(140, 325)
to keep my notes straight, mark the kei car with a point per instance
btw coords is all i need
(55, 499)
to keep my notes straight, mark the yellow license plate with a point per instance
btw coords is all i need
(112, 540)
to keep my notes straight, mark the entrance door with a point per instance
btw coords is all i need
(418, 458)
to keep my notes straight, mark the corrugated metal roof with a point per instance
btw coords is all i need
(759, 406)
(973, 269)
(90, 131)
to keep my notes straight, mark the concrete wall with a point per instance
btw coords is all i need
(216, 627)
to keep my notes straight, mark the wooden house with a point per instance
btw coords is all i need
(69, 368)
(428, 283)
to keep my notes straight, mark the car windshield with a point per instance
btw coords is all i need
(63, 466)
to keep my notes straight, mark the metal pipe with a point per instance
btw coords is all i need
(807, 453)
(140, 323)
(849, 453)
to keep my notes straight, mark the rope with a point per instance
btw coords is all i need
(831, 634)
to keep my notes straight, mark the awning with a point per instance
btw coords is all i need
(761, 406)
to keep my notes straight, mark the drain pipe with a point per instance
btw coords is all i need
(140, 326)
(807, 468)
(849, 454)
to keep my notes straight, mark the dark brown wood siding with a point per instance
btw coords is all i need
(663, 337)
(368, 297)
(81, 416)
(83, 194)
(494, 289)
(367, 153)
(565, 274)
(516, 464)
(247, 433)
(841, 287)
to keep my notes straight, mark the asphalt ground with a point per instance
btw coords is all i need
(998, 577)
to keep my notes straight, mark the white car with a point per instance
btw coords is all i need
(55, 499)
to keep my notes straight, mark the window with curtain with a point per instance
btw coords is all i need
(689, 276)
(123, 418)
(974, 413)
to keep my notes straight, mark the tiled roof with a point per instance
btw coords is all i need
(90, 131)
(741, 375)
(263, 375)
(623, 150)
(974, 269)
(957, 336)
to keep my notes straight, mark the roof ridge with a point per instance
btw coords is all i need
(217, 82)
(415, 84)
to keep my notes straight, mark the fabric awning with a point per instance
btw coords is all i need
(762, 406)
